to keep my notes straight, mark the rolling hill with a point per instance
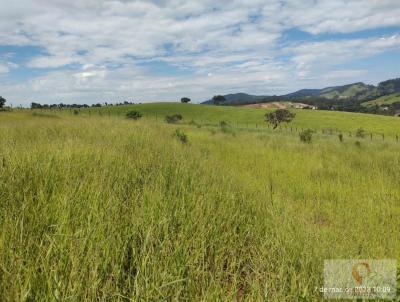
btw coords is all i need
(250, 117)
(383, 100)
(331, 96)
(241, 98)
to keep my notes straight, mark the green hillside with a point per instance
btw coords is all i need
(342, 98)
(383, 100)
(359, 90)
(315, 119)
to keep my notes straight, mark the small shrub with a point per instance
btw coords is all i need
(340, 137)
(358, 144)
(306, 136)
(134, 115)
(173, 119)
(181, 136)
(360, 133)
(193, 123)
(225, 128)
(223, 124)
(76, 112)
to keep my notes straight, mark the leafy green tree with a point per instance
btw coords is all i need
(279, 116)
(2, 102)
(218, 99)
(185, 100)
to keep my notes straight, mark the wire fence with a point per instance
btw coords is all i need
(262, 126)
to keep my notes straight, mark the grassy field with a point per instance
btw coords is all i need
(108, 209)
(248, 117)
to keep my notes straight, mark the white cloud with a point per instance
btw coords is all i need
(309, 56)
(341, 16)
(101, 47)
(5, 67)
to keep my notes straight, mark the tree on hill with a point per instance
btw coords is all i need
(2, 102)
(36, 105)
(218, 99)
(279, 116)
(185, 100)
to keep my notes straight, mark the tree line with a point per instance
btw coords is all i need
(35, 105)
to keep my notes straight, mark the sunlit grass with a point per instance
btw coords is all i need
(104, 208)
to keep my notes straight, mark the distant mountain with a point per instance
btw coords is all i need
(302, 93)
(240, 99)
(389, 87)
(355, 92)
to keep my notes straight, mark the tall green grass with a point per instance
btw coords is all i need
(104, 208)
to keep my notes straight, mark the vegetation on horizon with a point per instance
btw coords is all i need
(2, 102)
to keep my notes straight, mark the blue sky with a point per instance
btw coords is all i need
(110, 50)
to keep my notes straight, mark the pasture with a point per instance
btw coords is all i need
(250, 118)
(103, 208)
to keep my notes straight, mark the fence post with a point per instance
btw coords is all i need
(383, 136)
(371, 136)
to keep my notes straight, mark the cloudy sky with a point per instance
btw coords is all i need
(160, 50)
